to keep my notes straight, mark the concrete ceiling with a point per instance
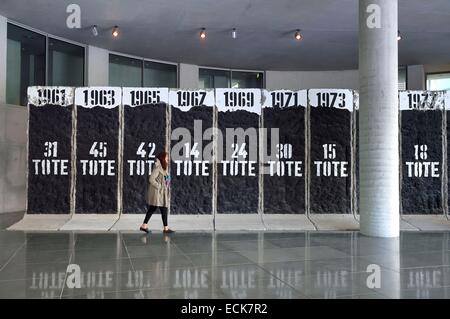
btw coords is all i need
(168, 30)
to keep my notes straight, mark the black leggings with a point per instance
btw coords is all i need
(151, 210)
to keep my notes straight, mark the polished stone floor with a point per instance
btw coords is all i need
(224, 265)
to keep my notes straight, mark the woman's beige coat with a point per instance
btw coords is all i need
(158, 192)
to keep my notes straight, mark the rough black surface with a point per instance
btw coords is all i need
(448, 148)
(421, 195)
(330, 195)
(191, 194)
(286, 194)
(143, 123)
(237, 194)
(49, 194)
(356, 137)
(96, 194)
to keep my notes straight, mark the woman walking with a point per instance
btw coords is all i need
(158, 192)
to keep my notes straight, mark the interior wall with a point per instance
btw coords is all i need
(294, 80)
(188, 75)
(415, 77)
(3, 55)
(13, 141)
(97, 66)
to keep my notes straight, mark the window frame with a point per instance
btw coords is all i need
(84, 46)
(166, 63)
(47, 36)
(434, 73)
(234, 70)
(143, 60)
(216, 69)
(406, 74)
(129, 56)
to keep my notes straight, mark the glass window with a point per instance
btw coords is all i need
(438, 81)
(25, 64)
(124, 71)
(402, 78)
(247, 80)
(160, 75)
(212, 78)
(65, 63)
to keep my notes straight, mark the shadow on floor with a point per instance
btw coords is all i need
(8, 219)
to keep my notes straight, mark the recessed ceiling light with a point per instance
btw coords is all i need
(115, 32)
(94, 30)
(298, 36)
(203, 34)
(234, 33)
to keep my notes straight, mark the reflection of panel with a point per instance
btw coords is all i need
(330, 127)
(421, 149)
(323, 280)
(237, 167)
(284, 181)
(45, 263)
(49, 149)
(98, 276)
(191, 169)
(144, 137)
(426, 280)
(97, 149)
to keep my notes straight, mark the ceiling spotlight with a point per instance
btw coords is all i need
(234, 33)
(203, 34)
(94, 30)
(298, 36)
(399, 36)
(115, 32)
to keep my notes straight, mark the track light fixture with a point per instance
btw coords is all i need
(234, 33)
(203, 33)
(298, 36)
(115, 32)
(399, 36)
(94, 30)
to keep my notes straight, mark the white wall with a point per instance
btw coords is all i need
(3, 48)
(97, 66)
(13, 132)
(188, 76)
(347, 79)
(13, 157)
(416, 77)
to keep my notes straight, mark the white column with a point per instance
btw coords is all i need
(3, 48)
(378, 120)
(97, 66)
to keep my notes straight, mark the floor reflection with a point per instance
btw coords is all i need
(224, 265)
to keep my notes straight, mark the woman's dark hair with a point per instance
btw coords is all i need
(162, 159)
